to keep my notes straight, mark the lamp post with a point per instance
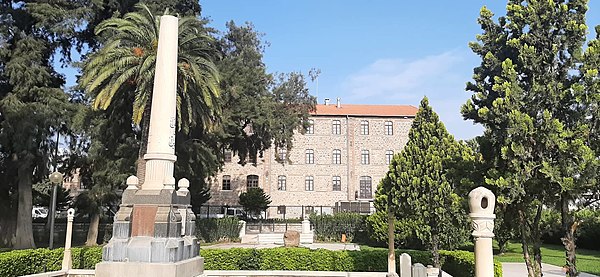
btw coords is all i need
(56, 178)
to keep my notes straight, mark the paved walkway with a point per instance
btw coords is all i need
(520, 270)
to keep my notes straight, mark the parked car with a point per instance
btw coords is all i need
(39, 212)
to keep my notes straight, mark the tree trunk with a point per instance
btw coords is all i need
(24, 231)
(435, 251)
(8, 224)
(92, 235)
(502, 244)
(391, 236)
(141, 163)
(569, 227)
(533, 267)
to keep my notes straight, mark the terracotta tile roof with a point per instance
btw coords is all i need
(366, 110)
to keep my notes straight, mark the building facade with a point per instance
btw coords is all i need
(340, 159)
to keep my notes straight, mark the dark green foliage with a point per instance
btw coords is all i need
(536, 94)
(258, 110)
(423, 186)
(457, 263)
(42, 194)
(254, 201)
(404, 231)
(31, 261)
(218, 229)
(331, 227)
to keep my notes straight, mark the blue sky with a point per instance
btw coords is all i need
(374, 52)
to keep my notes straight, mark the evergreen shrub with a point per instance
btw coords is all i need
(331, 227)
(218, 229)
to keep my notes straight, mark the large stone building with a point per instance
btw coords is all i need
(338, 161)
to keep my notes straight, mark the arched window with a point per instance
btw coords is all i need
(309, 183)
(337, 183)
(389, 155)
(226, 182)
(281, 182)
(311, 127)
(389, 128)
(364, 127)
(310, 156)
(252, 181)
(337, 156)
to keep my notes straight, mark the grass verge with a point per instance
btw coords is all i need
(587, 260)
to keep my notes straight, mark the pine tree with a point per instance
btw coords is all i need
(421, 188)
(532, 98)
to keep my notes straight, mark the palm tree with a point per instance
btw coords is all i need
(126, 64)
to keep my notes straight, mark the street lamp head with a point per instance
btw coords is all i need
(56, 177)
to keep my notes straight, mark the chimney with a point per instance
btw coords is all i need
(339, 104)
(326, 101)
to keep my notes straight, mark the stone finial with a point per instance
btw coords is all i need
(183, 184)
(132, 182)
(70, 213)
(170, 182)
(482, 201)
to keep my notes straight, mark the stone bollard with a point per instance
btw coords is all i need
(243, 229)
(481, 203)
(405, 265)
(305, 226)
(418, 270)
(67, 262)
(432, 271)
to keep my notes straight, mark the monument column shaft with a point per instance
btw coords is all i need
(484, 257)
(160, 156)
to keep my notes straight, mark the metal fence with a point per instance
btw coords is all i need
(285, 212)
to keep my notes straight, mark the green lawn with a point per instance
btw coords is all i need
(587, 260)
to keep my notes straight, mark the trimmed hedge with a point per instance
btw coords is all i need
(31, 261)
(456, 263)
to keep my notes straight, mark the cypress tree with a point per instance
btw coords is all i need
(421, 187)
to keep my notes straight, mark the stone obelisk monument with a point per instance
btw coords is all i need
(154, 229)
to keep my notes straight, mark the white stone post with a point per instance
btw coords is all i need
(160, 156)
(305, 226)
(481, 203)
(67, 262)
(242, 229)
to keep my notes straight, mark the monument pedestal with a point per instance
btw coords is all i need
(153, 239)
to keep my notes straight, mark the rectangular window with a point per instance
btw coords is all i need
(389, 155)
(226, 182)
(389, 128)
(337, 183)
(365, 187)
(311, 127)
(280, 209)
(310, 156)
(252, 181)
(281, 182)
(337, 127)
(227, 156)
(309, 183)
(282, 154)
(337, 156)
(364, 157)
(364, 127)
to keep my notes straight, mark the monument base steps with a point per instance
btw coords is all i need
(187, 268)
